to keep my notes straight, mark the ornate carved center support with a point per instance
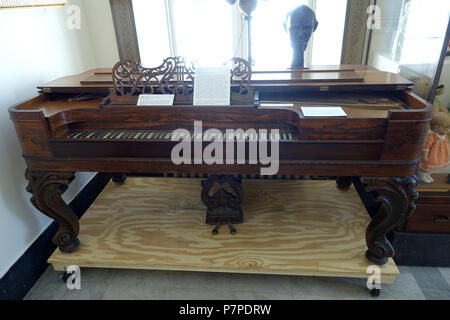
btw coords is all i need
(224, 206)
(397, 202)
(47, 188)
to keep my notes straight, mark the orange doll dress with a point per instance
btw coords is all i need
(438, 149)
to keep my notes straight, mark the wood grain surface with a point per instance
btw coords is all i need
(290, 228)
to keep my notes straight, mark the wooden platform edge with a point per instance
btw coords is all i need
(60, 266)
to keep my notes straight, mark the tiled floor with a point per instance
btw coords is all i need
(413, 283)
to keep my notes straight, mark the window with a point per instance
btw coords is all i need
(211, 32)
(411, 36)
(424, 28)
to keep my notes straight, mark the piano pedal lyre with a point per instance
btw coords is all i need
(223, 196)
(215, 231)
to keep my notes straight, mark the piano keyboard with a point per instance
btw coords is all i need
(241, 176)
(166, 135)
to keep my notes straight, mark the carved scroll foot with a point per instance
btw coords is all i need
(119, 178)
(47, 188)
(224, 205)
(396, 197)
(344, 183)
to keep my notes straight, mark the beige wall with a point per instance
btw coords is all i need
(101, 32)
(38, 47)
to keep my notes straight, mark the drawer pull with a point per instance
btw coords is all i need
(441, 219)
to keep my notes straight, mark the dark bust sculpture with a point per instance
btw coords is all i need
(301, 23)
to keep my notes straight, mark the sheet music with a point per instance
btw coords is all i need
(212, 86)
(147, 100)
(323, 111)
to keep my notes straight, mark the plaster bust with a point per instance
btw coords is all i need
(301, 23)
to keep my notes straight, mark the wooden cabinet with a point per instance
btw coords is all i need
(432, 213)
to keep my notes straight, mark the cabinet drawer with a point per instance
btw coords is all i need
(430, 218)
(434, 200)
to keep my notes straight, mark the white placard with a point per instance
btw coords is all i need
(277, 105)
(147, 100)
(323, 111)
(212, 86)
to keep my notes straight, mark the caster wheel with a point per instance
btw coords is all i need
(119, 178)
(375, 292)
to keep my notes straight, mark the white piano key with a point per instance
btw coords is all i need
(107, 135)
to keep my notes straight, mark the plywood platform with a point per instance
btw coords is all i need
(291, 228)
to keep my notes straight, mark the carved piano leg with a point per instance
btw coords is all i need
(224, 207)
(47, 188)
(397, 202)
(344, 183)
(119, 178)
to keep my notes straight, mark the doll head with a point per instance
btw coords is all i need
(440, 123)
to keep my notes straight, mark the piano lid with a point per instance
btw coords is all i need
(340, 78)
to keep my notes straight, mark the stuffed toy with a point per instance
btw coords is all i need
(422, 87)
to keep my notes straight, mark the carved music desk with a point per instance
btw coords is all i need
(71, 127)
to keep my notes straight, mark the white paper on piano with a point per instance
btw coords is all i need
(212, 86)
(147, 100)
(323, 111)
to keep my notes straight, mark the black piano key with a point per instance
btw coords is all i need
(97, 135)
(113, 135)
(84, 135)
(107, 135)
(94, 135)
(128, 135)
(134, 135)
(139, 135)
(73, 135)
(145, 135)
(119, 135)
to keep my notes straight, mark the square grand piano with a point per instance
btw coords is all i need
(91, 123)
